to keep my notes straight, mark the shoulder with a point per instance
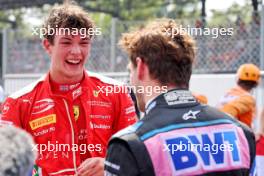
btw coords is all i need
(248, 98)
(120, 160)
(109, 87)
(128, 131)
(245, 100)
(28, 89)
(104, 79)
(222, 116)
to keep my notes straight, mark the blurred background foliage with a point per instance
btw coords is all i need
(102, 11)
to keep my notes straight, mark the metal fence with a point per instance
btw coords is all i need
(227, 53)
(24, 54)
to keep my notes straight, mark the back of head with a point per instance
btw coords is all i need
(248, 76)
(16, 155)
(166, 49)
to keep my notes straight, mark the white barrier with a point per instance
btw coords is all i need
(212, 85)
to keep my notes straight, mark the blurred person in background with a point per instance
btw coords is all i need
(174, 122)
(238, 101)
(200, 97)
(69, 108)
(16, 155)
(260, 146)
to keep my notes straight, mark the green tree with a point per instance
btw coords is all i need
(232, 15)
(142, 10)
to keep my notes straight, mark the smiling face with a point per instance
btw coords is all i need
(68, 55)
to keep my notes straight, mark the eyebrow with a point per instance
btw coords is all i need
(86, 38)
(70, 38)
(65, 38)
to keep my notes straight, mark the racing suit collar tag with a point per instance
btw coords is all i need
(176, 97)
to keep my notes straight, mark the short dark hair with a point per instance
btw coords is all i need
(68, 15)
(248, 85)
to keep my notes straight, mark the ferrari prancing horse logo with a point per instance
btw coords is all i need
(76, 112)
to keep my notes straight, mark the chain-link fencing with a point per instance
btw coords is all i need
(224, 53)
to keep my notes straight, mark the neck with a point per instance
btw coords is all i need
(245, 88)
(60, 79)
(162, 89)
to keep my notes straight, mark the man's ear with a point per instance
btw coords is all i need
(47, 46)
(141, 68)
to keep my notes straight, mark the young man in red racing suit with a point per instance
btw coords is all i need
(70, 113)
(177, 135)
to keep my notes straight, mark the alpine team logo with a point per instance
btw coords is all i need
(43, 106)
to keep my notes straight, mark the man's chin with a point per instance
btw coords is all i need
(74, 75)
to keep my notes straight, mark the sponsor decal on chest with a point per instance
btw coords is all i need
(95, 93)
(99, 103)
(97, 116)
(99, 126)
(43, 121)
(43, 105)
(76, 93)
(130, 109)
(76, 112)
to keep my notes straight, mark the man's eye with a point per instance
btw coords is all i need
(66, 43)
(84, 43)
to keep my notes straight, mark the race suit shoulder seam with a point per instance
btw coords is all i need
(105, 79)
(26, 89)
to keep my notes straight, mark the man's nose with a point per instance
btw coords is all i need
(75, 49)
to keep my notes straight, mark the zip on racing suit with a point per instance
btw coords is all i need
(179, 136)
(73, 126)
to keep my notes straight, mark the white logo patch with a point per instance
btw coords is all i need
(179, 97)
(43, 105)
(190, 115)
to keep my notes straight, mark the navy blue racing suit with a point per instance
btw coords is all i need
(179, 136)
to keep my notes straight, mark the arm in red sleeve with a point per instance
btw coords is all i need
(126, 114)
(11, 112)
